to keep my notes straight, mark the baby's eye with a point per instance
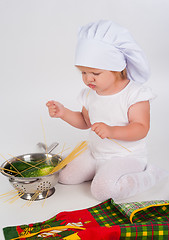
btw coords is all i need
(83, 73)
(96, 74)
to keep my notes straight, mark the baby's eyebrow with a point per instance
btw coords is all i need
(95, 72)
(91, 72)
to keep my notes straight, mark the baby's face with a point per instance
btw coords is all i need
(102, 81)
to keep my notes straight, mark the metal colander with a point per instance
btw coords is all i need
(35, 188)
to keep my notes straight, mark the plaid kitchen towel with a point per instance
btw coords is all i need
(107, 220)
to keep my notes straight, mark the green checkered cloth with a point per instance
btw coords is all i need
(151, 218)
(137, 220)
(135, 210)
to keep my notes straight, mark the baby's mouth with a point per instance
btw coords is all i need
(91, 86)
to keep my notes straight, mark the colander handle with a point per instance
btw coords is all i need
(25, 181)
(50, 148)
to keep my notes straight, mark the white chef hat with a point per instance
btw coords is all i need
(106, 45)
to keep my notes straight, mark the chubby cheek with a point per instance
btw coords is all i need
(100, 84)
(84, 80)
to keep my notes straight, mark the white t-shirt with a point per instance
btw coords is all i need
(112, 110)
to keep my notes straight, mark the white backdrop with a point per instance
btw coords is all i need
(37, 45)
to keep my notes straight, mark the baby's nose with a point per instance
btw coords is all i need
(89, 77)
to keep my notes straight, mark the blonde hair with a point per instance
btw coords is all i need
(123, 74)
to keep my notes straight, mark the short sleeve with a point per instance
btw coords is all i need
(141, 94)
(82, 98)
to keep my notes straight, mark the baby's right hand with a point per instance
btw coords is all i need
(56, 109)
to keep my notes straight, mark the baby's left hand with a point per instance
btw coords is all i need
(101, 129)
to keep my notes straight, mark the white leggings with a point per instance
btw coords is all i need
(117, 178)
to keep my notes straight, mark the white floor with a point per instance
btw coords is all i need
(65, 198)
